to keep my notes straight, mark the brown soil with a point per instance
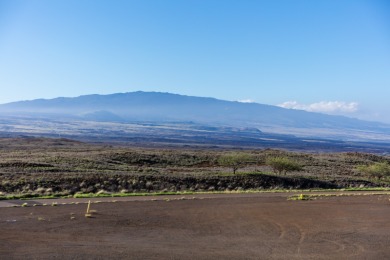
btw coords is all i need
(241, 227)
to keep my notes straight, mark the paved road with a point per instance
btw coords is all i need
(67, 201)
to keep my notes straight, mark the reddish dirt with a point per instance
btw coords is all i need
(250, 227)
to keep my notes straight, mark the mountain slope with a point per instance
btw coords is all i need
(165, 107)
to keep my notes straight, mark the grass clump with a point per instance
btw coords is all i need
(300, 197)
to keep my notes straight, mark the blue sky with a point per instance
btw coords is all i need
(325, 56)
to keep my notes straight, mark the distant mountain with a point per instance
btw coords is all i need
(103, 116)
(165, 107)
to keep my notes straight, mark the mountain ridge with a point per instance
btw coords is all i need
(163, 107)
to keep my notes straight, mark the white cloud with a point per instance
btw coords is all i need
(246, 101)
(331, 107)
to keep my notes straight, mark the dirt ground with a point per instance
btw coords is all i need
(250, 227)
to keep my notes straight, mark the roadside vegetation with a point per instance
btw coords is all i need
(37, 167)
(376, 170)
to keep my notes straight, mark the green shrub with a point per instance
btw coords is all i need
(234, 160)
(375, 170)
(283, 164)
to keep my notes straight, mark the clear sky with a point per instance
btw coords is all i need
(331, 56)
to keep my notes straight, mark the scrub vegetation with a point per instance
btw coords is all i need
(283, 164)
(377, 170)
(41, 167)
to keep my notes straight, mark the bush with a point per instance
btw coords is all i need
(283, 164)
(234, 160)
(376, 170)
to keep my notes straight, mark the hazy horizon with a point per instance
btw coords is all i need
(322, 56)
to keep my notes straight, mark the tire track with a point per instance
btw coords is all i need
(302, 237)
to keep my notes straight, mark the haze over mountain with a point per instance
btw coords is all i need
(159, 107)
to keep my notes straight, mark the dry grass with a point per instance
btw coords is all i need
(38, 167)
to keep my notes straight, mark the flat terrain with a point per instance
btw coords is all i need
(255, 226)
(59, 167)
